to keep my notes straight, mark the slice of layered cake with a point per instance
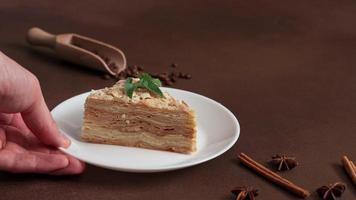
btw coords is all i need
(138, 118)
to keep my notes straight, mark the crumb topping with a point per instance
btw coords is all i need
(140, 96)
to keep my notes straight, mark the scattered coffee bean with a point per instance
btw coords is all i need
(167, 78)
(173, 80)
(121, 76)
(106, 60)
(140, 68)
(168, 83)
(113, 67)
(106, 77)
(188, 76)
(172, 77)
(184, 75)
(154, 75)
(134, 71)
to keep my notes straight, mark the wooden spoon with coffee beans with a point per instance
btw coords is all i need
(80, 50)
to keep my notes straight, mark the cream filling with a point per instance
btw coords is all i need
(133, 138)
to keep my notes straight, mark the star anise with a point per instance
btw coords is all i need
(283, 162)
(332, 191)
(245, 193)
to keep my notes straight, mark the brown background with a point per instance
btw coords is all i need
(286, 69)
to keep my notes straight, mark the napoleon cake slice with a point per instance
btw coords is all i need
(146, 120)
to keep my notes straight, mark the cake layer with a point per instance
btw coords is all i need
(132, 128)
(140, 109)
(135, 121)
(97, 113)
(175, 143)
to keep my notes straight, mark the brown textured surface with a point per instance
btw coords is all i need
(286, 69)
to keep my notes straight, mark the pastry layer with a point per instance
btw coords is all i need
(175, 143)
(126, 120)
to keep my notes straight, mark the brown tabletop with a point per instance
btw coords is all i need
(286, 69)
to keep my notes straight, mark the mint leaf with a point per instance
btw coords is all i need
(154, 88)
(157, 82)
(146, 81)
(129, 87)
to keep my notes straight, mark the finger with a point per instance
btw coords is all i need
(75, 167)
(20, 137)
(13, 148)
(5, 119)
(32, 162)
(2, 138)
(18, 122)
(40, 122)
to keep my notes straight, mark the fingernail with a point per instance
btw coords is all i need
(65, 141)
(60, 170)
(2, 144)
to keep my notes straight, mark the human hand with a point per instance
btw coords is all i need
(28, 134)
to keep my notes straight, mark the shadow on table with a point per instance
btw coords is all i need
(103, 176)
(94, 176)
(47, 56)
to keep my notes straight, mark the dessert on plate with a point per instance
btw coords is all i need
(136, 113)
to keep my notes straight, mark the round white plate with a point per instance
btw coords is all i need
(217, 131)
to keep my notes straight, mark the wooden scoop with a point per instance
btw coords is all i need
(80, 50)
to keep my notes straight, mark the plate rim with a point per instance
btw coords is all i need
(162, 168)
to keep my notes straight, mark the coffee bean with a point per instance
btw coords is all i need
(188, 76)
(106, 60)
(140, 68)
(167, 78)
(184, 75)
(113, 67)
(133, 67)
(106, 77)
(128, 73)
(172, 74)
(180, 75)
(154, 75)
(168, 83)
(172, 77)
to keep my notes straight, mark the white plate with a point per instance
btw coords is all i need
(217, 131)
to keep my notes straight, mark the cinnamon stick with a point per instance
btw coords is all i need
(349, 167)
(353, 165)
(240, 196)
(273, 177)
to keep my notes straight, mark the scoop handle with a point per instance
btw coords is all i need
(39, 37)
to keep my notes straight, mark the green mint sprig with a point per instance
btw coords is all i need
(146, 81)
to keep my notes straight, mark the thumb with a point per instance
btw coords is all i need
(20, 91)
(2, 138)
(39, 120)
